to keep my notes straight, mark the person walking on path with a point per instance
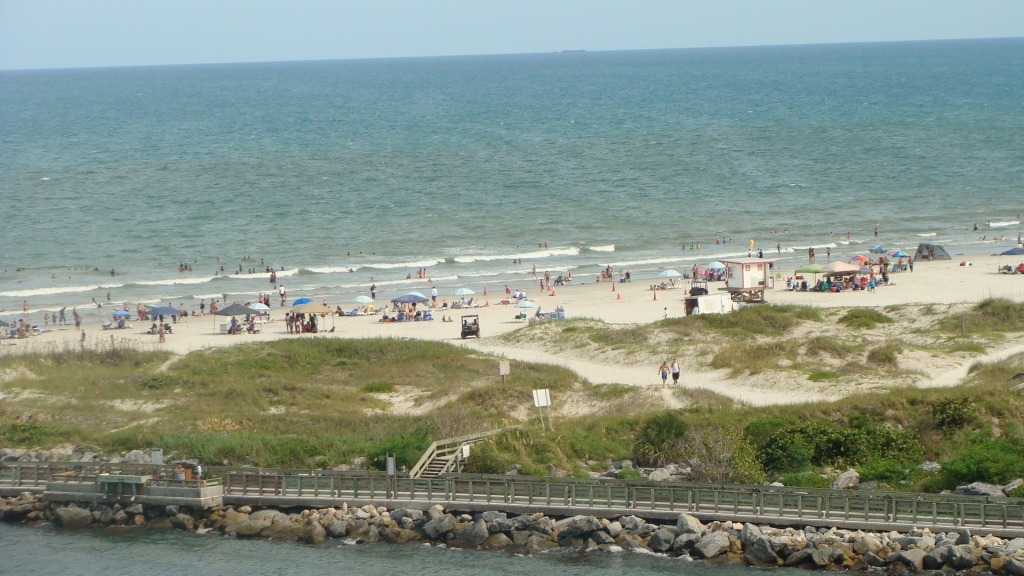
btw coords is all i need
(675, 372)
(663, 370)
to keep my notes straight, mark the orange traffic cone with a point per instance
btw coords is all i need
(618, 296)
(552, 291)
(655, 292)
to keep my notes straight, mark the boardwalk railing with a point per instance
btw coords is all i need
(768, 504)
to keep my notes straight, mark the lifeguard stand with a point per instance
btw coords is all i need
(748, 278)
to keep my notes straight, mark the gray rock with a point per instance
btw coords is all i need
(923, 542)
(182, 521)
(631, 522)
(980, 489)
(17, 513)
(750, 532)
(493, 516)
(602, 538)
(137, 457)
(313, 533)
(1013, 485)
(964, 537)
(337, 528)
(800, 557)
(134, 509)
(539, 543)
(171, 510)
(659, 475)
(362, 532)
(662, 540)
(912, 558)
(435, 511)
(11, 454)
(712, 544)
(496, 542)
(474, 534)
(847, 479)
(824, 556)
(619, 465)
(517, 523)
(633, 545)
(930, 466)
(685, 542)
(414, 515)
(760, 549)
(963, 556)
(1014, 567)
(687, 524)
(786, 545)
(614, 529)
(937, 558)
(1014, 545)
(73, 517)
(577, 526)
(874, 559)
(438, 526)
(866, 543)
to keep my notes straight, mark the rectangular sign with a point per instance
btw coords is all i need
(503, 368)
(465, 451)
(541, 398)
(391, 465)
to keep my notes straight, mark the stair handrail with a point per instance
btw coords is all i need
(449, 446)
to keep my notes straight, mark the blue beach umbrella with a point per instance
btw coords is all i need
(362, 299)
(122, 313)
(463, 292)
(410, 299)
(898, 254)
(302, 301)
(524, 304)
(1018, 251)
(716, 266)
(670, 274)
(163, 311)
(877, 250)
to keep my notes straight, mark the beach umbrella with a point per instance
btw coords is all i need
(234, 310)
(897, 254)
(877, 250)
(670, 274)
(1013, 252)
(4, 324)
(410, 299)
(716, 266)
(865, 270)
(311, 308)
(122, 313)
(809, 269)
(416, 294)
(260, 307)
(301, 301)
(362, 299)
(163, 311)
(859, 258)
(525, 304)
(838, 268)
(463, 292)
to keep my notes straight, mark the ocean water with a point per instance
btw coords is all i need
(462, 165)
(28, 550)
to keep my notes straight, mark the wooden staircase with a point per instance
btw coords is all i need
(445, 456)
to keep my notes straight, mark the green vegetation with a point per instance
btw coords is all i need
(993, 315)
(864, 318)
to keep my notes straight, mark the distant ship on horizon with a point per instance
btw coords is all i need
(571, 51)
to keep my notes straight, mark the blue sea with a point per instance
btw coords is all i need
(340, 174)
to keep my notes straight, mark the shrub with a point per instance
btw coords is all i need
(989, 315)
(823, 375)
(864, 318)
(888, 471)
(797, 448)
(154, 383)
(657, 443)
(378, 387)
(996, 461)
(952, 413)
(806, 480)
(759, 431)
(629, 474)
(886, 355)
(484, 459)
(406, 449)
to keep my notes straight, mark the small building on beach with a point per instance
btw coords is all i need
(746, 279)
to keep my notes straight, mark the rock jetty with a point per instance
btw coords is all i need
(760, 546)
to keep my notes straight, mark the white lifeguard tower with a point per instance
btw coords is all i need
(747, 279)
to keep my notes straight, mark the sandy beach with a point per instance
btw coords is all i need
(939, 283)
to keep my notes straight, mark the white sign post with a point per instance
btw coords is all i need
(503, 369)
(542, 398)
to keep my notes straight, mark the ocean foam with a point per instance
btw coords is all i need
(417, 264)
(332, 269)
(263, 275)
(606, 248)
(54, 290)
(929, 234)
(571, 251)
(1002, 224)
(172, 281)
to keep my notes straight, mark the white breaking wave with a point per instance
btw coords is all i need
(417, 264)
(205, 296)
(332, 269)
(1002, 224)
(606, 248)
(186, 280)
(280, 273)
(54, 290)
(929, 234)
(571, 251)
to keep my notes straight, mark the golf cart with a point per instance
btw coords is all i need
(698, 287)
(470, 326)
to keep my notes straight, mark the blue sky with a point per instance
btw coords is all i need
(80, 33)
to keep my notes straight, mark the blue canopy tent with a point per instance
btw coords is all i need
(1018, 251)
(163, 311)
(410, 299)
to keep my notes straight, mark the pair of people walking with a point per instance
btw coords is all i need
(665, 369)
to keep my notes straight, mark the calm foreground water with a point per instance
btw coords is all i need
(46, 550)
(462, 165)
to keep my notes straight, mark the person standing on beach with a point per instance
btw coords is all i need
(160, 331)
(81, 341)
(663, 370)
(63, 320)
(433, 296)
(373, 291)
(283, 293)
(534, 270)
(78, 319)
(665, 315)
(910, 263)
(202, 307)
(675, 371)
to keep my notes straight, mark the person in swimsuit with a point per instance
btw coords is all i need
(663, 370)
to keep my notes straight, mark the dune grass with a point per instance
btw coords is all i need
(992, 315)
(864, 318)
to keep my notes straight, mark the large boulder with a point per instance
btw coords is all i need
(439, 525)
(400, 535)
(514, 524)
(687, 524)
(137, 457)
(685, 542)
(862, 544)
(1013, 546)
(362, 532)
(847, 479)
(539, 543)
(760, 549)
(662, 540)
(1014, 567)
(474, 534)
(659, 475)
(436, 511)
(631, 522)
(963, 556)
(913, 558)
(182, 521)
(73, 517)
(712, 544)
(493, 516)
(577, 526)
(496, 542)
(313, 533)
(748, 533)
(923, 542)
(826, 555)
(800, 557)
(17, 513)
(938, 557)
(337, 528)
(630, 545)
(414, 515)
(980, 489)
(1013, 485)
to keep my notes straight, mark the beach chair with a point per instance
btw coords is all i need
(354, 312)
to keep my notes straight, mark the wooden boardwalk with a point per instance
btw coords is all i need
(778, 506)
